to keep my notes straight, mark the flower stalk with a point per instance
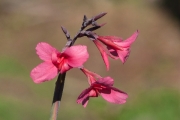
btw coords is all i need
(58, 91)
(57, 96)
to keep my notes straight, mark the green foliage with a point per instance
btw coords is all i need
(9, 66)
(13, 109)
(153, 105)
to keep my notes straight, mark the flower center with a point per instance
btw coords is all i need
(60, 62)
(93, 93)
(98, 86)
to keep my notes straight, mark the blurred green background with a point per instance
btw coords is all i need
(150, 76)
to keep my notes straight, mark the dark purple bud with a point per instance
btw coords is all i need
(66, 33)
(99, 16)
(96, 27)
(64, 30)
(85, 18)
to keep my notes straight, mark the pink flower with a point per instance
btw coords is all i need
(55, 61)
(103, 87)
(116, 47)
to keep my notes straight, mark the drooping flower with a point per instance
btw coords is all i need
(116, 48)
(101, 86)
(57, 62)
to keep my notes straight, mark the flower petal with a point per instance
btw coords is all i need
(44, 72)
(92, 76)
(106, 81)
(44, 51)
(84, 97)
(93, 93)
(127, 43)
(65, 67)
(109, 43)
(113, 95)
(105, 59)
(123, 55)
(103, 53)
(76, 55)
(112, 38)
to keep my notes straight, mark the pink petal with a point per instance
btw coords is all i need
(112, 38)
(54, 57)
(109, 43)
(127, 43)
(44, 50)
(91, 79)
(105, 59)
(123, 55)
(84, 97)
(103, 53)
(113, 95)
(92, 76)
(44, 72)
(76, 55)
(93, 93)
(106, 81)
(65, 68)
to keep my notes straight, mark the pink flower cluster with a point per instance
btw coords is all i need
(56, 62)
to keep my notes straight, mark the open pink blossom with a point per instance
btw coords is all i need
(103, 87)
(116, 47)
(57, 62)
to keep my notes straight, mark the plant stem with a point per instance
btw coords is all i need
(57, 96)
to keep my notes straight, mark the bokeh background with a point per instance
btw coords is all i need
(150, 76)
